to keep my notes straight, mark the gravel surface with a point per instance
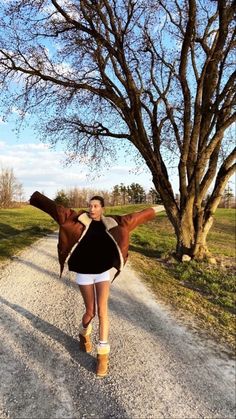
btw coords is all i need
(158, 367)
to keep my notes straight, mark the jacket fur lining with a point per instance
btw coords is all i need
(109, 222)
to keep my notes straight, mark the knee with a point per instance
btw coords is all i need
(90, 313)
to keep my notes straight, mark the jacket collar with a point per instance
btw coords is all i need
(109, 222)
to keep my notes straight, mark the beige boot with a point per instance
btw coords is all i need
(102, 360)
(85, 343)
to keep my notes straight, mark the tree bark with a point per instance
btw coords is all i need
(200, 249)
(191, 242)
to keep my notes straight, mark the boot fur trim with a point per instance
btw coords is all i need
(103, 350)
(85, 331)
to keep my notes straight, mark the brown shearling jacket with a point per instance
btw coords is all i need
(73, 226)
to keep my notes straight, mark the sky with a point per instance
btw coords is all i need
(38, 167)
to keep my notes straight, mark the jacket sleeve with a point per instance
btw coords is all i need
(57, 212)
(133, 220)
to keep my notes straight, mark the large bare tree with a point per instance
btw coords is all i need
(159, 74)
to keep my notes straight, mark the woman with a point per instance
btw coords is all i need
(94, 244)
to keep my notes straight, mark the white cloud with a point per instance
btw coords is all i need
(19, 112)
(121, 169)
(38, 167)
(64, 69)
(67, 5)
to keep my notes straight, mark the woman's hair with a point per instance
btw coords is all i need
(98, 198)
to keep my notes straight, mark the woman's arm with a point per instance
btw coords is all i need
(136, 218)
(57, 212)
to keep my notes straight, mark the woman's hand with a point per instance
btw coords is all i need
(158, 208)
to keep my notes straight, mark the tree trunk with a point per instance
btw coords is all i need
(191, 222)
(187, 244)
(185, 231)
(192, 234)
(200, 250)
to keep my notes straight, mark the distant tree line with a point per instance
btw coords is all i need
(119, 195)
(124, 195)
(12, 194)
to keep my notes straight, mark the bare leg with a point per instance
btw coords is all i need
(88, 294)
(102, 294)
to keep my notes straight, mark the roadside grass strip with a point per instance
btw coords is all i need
(200, 289)
(20, 227)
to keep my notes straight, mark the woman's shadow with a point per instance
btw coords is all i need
(70, 344)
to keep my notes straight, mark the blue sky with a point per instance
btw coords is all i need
(38, 167)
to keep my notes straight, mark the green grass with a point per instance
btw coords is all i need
(204, 291)
(19, 227)
(217, 285)
(193, 288)
(221, 237)
(125, 209)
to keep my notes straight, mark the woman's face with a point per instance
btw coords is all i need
(95, 210)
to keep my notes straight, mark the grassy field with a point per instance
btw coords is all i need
(204, 291)
(19, 227)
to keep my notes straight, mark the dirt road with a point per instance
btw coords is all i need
(158, 368)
